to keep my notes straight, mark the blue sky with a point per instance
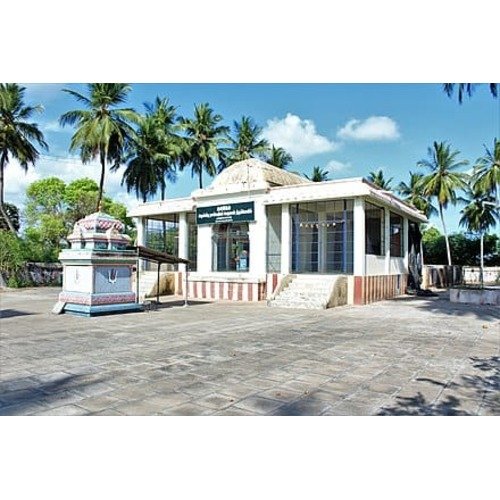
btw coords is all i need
(348, 129)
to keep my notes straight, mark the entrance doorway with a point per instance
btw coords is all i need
(322, 237)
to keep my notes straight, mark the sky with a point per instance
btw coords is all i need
(347, 129)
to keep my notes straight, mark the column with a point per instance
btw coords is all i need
(387, 239)
(204, 248)
(405, 242)
(183, 239)
(359, 237)
(258, 236)
(142, 227)
(141, 223)
(286, 238)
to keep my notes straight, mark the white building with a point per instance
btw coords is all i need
(257, 229)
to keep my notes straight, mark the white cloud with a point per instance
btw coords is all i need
(68, 169)
(334, 166)
(374, 128)
(52, 126)
(297, 136)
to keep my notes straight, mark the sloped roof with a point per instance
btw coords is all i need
(253, 171)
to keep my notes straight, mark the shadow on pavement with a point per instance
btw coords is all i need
(12, 313)
(27, 395)
(484, 387)
(442, 305)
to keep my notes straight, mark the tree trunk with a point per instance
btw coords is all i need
(201, 180)
(448, 252)
(101, 183)
(481, 269)
(3, 163)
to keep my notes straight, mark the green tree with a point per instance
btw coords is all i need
(412, 193)
(278, 157)
(11, 256)
(467, 88)
(246, 141)
(80, 198)
(203, 146)
(153, 153)
(478, 216)
(487, 172)
(444, 180)
(19, 138)
(45, 217)
(13, 214)
(318, 175)
(379, 180)
(102, 129)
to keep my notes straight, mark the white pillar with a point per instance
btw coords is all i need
(204, 248)
(257, 235)
(405, 242)
(387, 238)
(183, 239)
(359, 237)
(286, 238)
(141, 223)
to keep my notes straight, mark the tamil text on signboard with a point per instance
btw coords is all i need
(230, 212)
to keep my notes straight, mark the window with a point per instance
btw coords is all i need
(374, 229)
(231, 247)
(396, 233)
(273, 252)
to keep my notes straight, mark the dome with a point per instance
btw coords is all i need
(258, 173)
(99, 231)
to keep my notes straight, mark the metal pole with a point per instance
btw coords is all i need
(158, 284)
(137, 279)
(186, 286)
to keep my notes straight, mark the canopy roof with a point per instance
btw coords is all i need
(160, 257)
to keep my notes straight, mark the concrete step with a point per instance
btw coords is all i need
(306, 292)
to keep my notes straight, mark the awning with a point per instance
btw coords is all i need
(156, 256)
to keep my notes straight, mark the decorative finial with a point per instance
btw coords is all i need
(99, 207)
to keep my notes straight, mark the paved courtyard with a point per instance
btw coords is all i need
(402, 357)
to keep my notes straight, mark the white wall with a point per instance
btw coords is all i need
(375, 265)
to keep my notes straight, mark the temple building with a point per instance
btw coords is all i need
(262, 233)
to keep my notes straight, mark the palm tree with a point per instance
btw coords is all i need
(278, 157)
(487, 171)
(467, 88)
(378, 179)
(443, 181)
(18, 138)
(318, 175)
(247, 141)
(103, 130)
(152, 154)
(203, 142)
(412, 193)
(478, 216)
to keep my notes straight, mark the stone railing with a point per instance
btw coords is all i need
(441, 276)
(491, 275)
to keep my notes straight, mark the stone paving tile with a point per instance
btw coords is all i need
(280, 394)
(258, 405)
(66, 410)
(187, 410)
(216, 401)
(307, 406)
(99, 403)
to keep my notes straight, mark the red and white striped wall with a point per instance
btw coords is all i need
(368, 289)
(222, 290)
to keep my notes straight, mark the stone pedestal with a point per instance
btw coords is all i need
(97, 275)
